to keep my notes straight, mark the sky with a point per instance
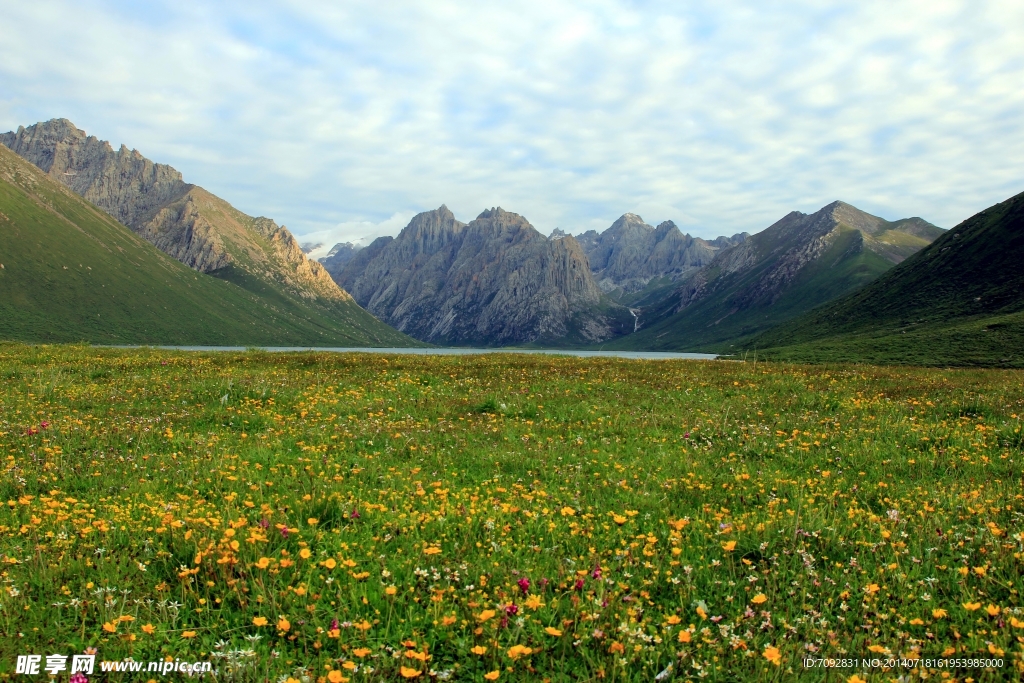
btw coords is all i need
(343, 120)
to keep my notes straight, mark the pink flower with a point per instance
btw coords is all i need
(524, 585)
(79, 677)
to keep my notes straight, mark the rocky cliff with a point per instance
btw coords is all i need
(493, 281)
(630, 253)
(182, 220)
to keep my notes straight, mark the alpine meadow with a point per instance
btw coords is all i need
(360, 517)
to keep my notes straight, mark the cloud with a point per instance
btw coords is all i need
(340, 119)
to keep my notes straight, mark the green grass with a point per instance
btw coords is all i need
(72, 273)
(376, 511)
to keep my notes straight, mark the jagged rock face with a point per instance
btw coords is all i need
(630, 253)
(494, 281)
(338, 257)
(788, 246)
(185, 221)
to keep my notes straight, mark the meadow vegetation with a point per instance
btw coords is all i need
(361, 517)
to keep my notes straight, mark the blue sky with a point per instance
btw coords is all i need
(342, 120)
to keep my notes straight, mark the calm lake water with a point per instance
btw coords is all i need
(637, 355)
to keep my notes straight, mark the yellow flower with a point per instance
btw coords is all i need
(856, 679)
(363, 625)
(971, 606)
(259, 621)
(534, 602)
(619, 519)
(759, 599)
(916, 622)
(478, 650)
(335, 676)
(188, 634)
(872, 588)
(305, 553)
(485, 615)
(701, 613)
(729, 546)
(110, 627)
(672, 619)
(980, 571)
(492, 676)
(772, 654)
(312, 521)
(992, 610)
(263, 563)
(149, 629)
(330, 563)
(517, 651)
(964, 571)
(1016, 623)
(283, 624)
(684, 636)
(431, 550)
(361, 652)
(567, 512)
(551, 631)
(939, 613)
(349, 666)
(390, 590)
(409, 673)
(876, 648)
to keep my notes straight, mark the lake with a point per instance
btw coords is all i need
(635, 355)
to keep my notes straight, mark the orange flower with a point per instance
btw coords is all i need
(772, 654)
(283, 624)
(479, 650)
(1016, 623)
(971, 606)
(448, 621)
(361, 652)
(672, 619)
(263, 563)
(684, 636)
(551, 631)
(939, 613)
(390, 590)
(110, 627)
(517, 651)
(759, 599)
(335, 676)
(188, 634)
(872, 588)
(729, 546)
(149, 629)
(534, 602)
(492, 675)
(616, 647)
(409, 673)
(259, 621)
(431, 550)
(363, 625)
(330, 563)
(992, 610)
(305, 553)
(485, 615)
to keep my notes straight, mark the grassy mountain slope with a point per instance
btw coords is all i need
(958, 301)
(72, 273)
(797, 264)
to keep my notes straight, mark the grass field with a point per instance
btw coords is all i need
(360, 517)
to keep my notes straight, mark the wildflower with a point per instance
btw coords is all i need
(517, 651)
(390, 590)
(534, 602)
(729, 546)
(409, 673)
(551, 631)
(917, 622)
(939, 613)
(1016, 623)
(524, 585)
(619, 519)
(305, 553)
(335, 676)
(701, 613)
(759, 599)
(878, 649)
(263, 563)
(354, 515)
(330, 563)
(872, 588)
(492, 675)
(149, 629)
(672, 619)
(992, 610)
(972, 606)
(363, 625)
(616, 647)
(512, 609)
(259, 621)
(431, 550)
(188, 634)
(567, 511)
(78, 677)
(110, 627)
(980, 571)
(773, 655)
(312, 521)
(856, 679)
(283, 624)
(478, 650)
(485, 615)
(684, 636)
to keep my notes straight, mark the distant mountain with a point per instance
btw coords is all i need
(185, 221)
(959, 301)
(796, 264)
(70, 272)
(339, 255)
(495, 281)
(308, 247)
(630, 254)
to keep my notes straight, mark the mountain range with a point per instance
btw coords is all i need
(291, 299)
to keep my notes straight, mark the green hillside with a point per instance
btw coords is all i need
(959, 301)
(797, 264)
(72, 273)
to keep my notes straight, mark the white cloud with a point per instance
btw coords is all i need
(339, 120)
